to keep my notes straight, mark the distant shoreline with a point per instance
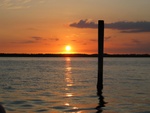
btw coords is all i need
(71, 55)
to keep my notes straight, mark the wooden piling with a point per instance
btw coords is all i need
(100, 55)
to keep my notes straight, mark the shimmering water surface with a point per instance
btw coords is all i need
(68, 85)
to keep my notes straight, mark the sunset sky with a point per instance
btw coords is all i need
(48, 26)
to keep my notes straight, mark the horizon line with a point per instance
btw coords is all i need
(69, 55)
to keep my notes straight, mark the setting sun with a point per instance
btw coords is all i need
(68, 48)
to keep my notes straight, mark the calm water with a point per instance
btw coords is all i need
(68, 85)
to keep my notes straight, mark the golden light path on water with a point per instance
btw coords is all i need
(69, 83)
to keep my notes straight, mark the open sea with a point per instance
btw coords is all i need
(68, 85)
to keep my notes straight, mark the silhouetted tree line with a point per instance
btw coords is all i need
(71, 55)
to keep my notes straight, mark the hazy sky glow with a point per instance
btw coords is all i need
(47, 26)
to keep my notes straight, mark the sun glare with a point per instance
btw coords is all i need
(68, 48)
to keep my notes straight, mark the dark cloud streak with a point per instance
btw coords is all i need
(93, 40)
(136, 41)
(54, 39)
(37, 38)
(107, 38)
(33, 39)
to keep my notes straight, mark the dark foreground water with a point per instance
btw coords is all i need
(68, 85)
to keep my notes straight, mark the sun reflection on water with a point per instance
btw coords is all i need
(69, 81)
(67, 104)
(68, 77)
(69, 89)
(69, 94)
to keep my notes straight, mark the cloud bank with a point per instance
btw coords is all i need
(130, 27)
(123, 26)
(84, 24)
